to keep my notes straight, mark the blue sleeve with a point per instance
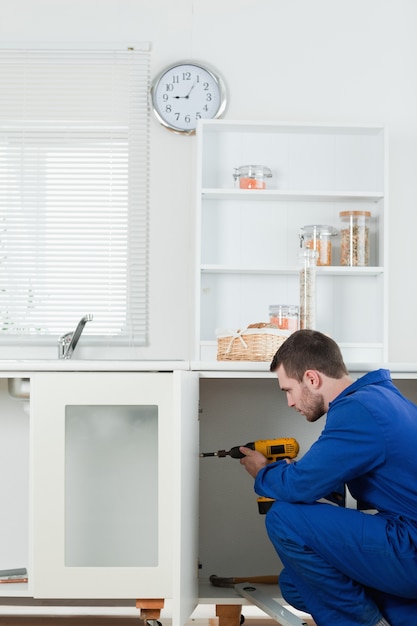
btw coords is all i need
(350, 445)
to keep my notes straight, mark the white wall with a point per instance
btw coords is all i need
(284, 60)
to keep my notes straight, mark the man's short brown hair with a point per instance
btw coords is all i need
(309, 350)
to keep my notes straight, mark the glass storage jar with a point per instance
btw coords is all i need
(308, 261)
(251, 176)
(354, 237)
(284, 316)
(319, 237)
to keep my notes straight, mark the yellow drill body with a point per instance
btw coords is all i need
(272, 449)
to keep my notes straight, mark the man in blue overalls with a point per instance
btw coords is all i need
(344, 566)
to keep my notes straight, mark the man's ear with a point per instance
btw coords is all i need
(312, 379)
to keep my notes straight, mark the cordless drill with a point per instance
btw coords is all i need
(272, 449)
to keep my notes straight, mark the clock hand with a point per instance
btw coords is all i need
(187, 96)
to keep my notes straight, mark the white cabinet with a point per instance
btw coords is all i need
(248, 239)
(114, 489)
(234, 411)
(106, 496)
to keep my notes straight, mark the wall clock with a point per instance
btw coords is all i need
(185, 92)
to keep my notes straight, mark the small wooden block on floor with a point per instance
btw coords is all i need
(229, 614)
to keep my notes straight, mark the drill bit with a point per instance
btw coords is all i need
(219, 453)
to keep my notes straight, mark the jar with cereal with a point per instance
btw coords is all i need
(354, 238)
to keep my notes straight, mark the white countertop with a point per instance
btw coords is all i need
(84, 365)
(206, 368)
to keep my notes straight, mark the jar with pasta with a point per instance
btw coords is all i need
(319, 237)
(354, 238)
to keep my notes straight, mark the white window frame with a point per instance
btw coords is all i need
(74, 194)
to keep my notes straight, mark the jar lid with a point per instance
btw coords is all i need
(253, 170)
(287, 307)
(354, 213)
(320, 229)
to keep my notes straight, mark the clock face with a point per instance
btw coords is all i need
(184, 93)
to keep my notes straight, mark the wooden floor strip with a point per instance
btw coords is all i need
(75, 620)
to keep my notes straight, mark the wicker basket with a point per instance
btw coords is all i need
(251, 344)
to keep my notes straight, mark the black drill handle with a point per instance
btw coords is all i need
(235, 453)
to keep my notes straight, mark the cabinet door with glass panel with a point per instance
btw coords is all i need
(248, 235)
(111, 455)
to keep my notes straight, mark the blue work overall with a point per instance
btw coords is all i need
(336, 559)
(345, 566)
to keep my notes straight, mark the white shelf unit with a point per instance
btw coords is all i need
(248, 240)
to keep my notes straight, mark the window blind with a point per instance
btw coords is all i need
(74, 165)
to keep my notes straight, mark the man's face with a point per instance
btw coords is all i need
(299, 396)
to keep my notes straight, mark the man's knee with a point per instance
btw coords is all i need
(280, 518)
(289, 591)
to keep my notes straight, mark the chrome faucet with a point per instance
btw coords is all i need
(67, 343)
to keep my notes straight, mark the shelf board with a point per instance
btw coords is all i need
(343, 344)
(209, 367)
(283, 195)
(258, 126)
(334, 270)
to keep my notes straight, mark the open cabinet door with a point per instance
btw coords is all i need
(105, 468)
(185, 451)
